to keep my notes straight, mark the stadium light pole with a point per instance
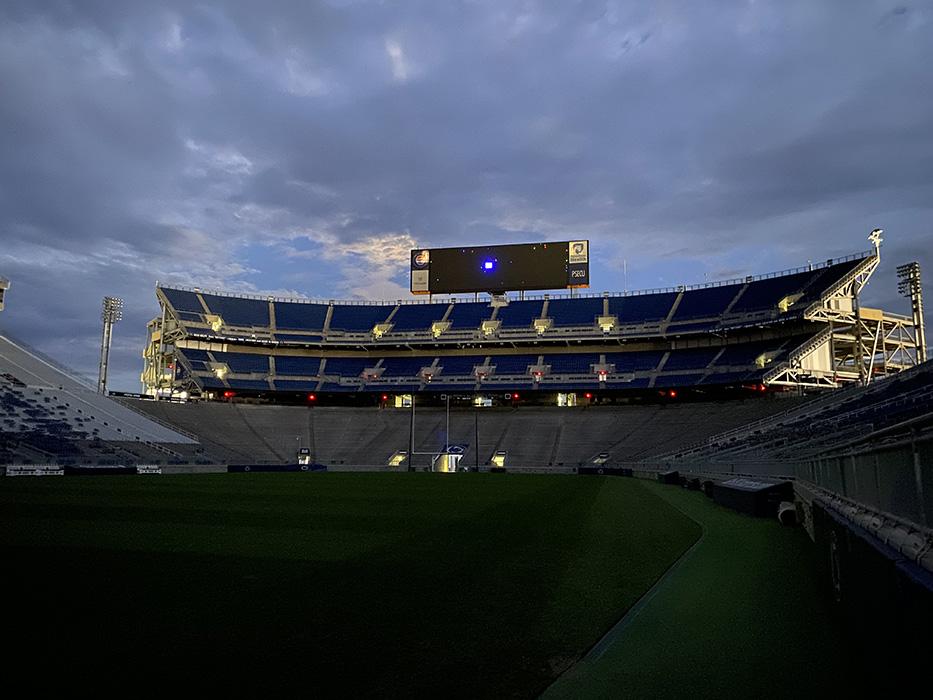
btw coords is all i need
(910, 286)
(111, 312)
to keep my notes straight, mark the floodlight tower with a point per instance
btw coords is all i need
(908, 285)
(4, 285)
(111, 313)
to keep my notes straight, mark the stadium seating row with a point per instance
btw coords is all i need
(686, 310)
(820, 426)
(682, 367)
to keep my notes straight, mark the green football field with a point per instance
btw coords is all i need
(394, 584)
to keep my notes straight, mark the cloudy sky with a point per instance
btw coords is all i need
(301, 147)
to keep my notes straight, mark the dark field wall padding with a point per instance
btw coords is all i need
(884, 599)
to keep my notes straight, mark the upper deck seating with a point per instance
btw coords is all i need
(575, 312)
(469, 315)
(766, 293)
(641, 308)
(417, 317)
(705, 303)
(520, 314)
(295, 316)
(182, 300)
(358, 318)
(239, 312)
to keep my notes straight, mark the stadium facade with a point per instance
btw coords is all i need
(802, 327)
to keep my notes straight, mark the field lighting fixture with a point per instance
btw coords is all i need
(111, 312)
(910, 286)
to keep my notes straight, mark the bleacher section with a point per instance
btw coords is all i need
(533, 437)
(710, 365)
(294, 316)
(48, 416)
(837, 419)
(711, 334)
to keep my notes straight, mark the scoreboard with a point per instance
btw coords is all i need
(500, 268)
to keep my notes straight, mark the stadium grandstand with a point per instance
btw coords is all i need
(797, 328)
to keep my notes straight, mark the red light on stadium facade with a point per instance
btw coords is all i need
(514, 396)
(385, 397)
(229, 394)
(312, 397)
(588, 395)
(673, 393)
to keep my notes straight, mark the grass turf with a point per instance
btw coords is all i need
(742, 616)
(377, 584)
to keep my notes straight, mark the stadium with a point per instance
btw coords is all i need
(562, 493)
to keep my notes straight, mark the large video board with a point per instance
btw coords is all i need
(500, 268)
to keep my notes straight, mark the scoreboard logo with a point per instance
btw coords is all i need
(420, 280)
(579, 252)
(420, 259)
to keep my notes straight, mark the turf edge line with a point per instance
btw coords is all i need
(596, 651)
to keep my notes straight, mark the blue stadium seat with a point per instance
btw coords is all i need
(634, 361)
(575, 312)
(693, 358)
(829, 277)
(298, 366)
(571, 364)
(182, 300)
(469, 315)
(459, 365)
(298, 317)
(360, 318)
(520, 314)
(704, 303)
(512, 364)
(347, 366)
(239, 312)
(243, 363)
(746, 353)
(766, 293)
(641, 308)
(194, 354)
(404, 366)
(417, 317)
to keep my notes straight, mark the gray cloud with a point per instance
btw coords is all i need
(216, 143)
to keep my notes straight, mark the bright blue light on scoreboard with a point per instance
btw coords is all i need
(489, 265)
